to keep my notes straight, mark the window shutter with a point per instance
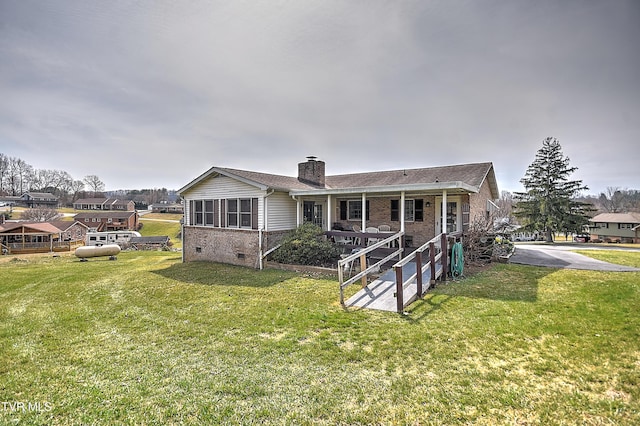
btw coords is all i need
(343, 210)
(254, 213)
(223, 213)
(216, 213)
(395, 211)
(419, 210)
(367, 208)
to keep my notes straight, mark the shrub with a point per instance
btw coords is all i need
(306, 245)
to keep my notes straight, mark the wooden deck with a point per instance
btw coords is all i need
(380, 294)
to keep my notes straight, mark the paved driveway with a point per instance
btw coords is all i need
(560, 256)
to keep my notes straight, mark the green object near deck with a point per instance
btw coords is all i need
(457, 260)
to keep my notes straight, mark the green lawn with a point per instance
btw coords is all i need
(158, 227)
(149, 340)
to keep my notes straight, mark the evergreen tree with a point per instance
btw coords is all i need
(547, 205)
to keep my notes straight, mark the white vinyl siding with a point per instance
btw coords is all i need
(282, 212)
(221, 188)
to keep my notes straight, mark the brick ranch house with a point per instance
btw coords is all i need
(235, 216)
(109, 221)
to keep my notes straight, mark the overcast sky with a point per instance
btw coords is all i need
(153, 93)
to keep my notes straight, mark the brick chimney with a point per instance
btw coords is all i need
(312, 171)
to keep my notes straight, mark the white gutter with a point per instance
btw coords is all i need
(436, 187)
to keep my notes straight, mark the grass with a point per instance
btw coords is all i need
(160, 227)
(620, 257)
(149, 340)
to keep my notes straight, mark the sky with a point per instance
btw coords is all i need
(152, 93)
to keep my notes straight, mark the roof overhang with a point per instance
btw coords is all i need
(436, 188)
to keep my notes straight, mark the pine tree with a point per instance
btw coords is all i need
(547, 204)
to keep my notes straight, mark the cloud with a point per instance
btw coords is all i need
(178, 87)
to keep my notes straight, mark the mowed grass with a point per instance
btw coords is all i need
(161, 227)
(620, 257)
(149, 340)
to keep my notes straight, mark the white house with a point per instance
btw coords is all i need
(235, 216)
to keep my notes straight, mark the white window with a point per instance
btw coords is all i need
(409, 210)
(232, 213)
(354, 209)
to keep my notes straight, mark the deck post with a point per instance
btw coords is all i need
(432, 260)
(399, 295)
(444, 258)
(419, 274)
(363, 266)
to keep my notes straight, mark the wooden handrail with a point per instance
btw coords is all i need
(362, 255)
(416, 256)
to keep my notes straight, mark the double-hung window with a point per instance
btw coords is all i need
(208, 213)
(413, 210)
(239, 213)
(354, 209)
(232, 213)
(245, 213)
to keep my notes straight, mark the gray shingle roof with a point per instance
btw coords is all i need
(472, 175)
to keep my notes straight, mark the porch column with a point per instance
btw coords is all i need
(443, 222)
(364, 211)
(329, 208)
(298, 208)
(402, 211)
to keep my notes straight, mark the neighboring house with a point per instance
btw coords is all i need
(9, 200)
(39, 199)
(109, 221)
(615, 227)
(41, 237)
(235, 216)
(167, 208)
(104, 204)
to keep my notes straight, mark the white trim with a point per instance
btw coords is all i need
(440, 186)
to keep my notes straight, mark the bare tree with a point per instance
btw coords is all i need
(94, 183)
(4, 171)
(613, 200)
(76, 187)
(19, 174)
(40, 214)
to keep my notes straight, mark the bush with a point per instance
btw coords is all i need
(307, 246)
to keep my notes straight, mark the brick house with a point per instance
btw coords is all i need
(109, 221)
(235, 216)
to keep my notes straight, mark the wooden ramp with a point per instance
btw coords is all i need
(380, 294)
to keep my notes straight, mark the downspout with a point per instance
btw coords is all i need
(262, 229)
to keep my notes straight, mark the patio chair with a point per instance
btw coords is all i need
(372, 230)
(384, 228)
(356, 240)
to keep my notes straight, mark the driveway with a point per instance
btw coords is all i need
(561, 256)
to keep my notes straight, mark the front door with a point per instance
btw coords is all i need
(312, 212)
(453, 216)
